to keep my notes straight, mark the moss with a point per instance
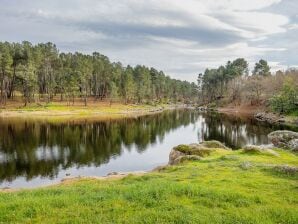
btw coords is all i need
(194, 149)
(184, 149)
(253, 149)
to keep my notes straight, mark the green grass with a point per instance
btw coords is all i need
(217, 189)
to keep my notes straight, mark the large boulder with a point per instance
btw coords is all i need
(284, 139)
(174, 154)
(185, 152)
(193, 151)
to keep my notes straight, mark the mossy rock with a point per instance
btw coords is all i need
(194, 149)
(181, 159)
(287, 170)
(214, 144)
(254, 149)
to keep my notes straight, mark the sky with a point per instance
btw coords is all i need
(180, 37)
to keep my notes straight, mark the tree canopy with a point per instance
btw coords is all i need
(41, 72)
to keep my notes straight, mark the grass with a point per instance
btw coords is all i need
(217, 189)
(59, 111)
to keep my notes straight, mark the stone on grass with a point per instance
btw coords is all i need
(246, 165)
(286, 169)
(284, 139)
(194, 151)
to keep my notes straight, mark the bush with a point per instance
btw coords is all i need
(286, 101)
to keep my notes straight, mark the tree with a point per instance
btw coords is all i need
(113, 92)
(5, 69)
(128, 85)
(286, 100)
(41, 70)
(27, 73)
(261, 68)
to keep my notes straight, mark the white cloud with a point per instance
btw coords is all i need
(180, 37)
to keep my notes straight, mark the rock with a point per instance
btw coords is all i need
(214, 144)
(194, 151)
(293, 144)
(284, 139)
(285, 169)
(268, 117)
(246, 165)
(113, 174)
(181, 159)
(259, 150)
(174, 154)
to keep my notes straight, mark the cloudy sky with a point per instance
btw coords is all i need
(180, 37)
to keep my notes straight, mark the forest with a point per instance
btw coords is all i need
(41, 73)
(233, 84)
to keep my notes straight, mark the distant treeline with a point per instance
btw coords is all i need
(232, 84)
(41, 72)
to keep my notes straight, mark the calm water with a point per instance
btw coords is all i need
(39, 153)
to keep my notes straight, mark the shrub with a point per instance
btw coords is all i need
(286, 101)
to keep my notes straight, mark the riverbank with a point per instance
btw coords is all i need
(261, 113)
(224, 187)
(94, 110)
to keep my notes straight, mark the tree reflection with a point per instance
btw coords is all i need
(33, 149)
(30, 149)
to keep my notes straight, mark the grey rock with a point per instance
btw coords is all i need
(113, 174)
(174, 154)
(284, 139)
(293, 144)
(286, 169)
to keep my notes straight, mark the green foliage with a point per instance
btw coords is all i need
(41, 69)
(214, 82)
(247, 190)
(184, 149)
(286, 101)
(261, 68)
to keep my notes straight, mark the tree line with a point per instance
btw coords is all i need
(233, 84)
(41, 73)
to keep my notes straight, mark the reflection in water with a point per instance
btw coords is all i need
(31, 150)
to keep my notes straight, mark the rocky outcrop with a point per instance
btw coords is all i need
(270, 117)
(284, 139)
(193, 151)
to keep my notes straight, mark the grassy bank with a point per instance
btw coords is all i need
(59, 111)
(226, 187)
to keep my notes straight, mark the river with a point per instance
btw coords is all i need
(39, 153)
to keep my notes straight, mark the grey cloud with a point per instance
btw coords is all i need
(132, 42)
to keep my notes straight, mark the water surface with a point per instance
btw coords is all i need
(38, 153)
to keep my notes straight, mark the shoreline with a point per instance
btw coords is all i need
(69, 180)
(261, 114)
(60, 113)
